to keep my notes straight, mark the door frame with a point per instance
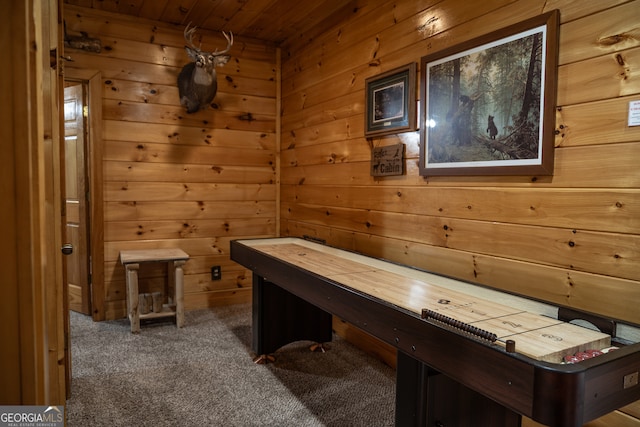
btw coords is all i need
(94, 155)
(32, 330)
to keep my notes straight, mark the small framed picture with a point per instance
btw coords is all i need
(390, 100)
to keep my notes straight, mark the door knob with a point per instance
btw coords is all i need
(67, 249)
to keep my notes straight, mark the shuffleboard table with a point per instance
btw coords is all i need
(467, 355)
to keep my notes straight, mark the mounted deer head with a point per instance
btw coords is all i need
(197, 81)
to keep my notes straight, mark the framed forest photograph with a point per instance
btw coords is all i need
(487, 106)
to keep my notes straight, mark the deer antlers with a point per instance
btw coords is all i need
(188, 36)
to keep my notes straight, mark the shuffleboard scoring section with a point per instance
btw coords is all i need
(536, 335)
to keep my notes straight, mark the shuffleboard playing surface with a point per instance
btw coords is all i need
(537, 336)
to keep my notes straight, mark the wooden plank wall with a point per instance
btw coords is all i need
(171, 179)
(572, 238)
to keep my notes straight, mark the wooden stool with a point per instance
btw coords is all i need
(175, 259)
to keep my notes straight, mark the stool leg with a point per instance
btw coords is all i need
(132, 296)
(179, 291)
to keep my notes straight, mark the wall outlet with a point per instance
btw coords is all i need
(216, 272)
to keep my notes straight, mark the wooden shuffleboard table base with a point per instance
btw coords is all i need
(536, 335)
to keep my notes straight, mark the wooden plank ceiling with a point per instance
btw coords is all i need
(270, 20)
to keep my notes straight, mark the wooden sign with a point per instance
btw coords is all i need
(386, 161)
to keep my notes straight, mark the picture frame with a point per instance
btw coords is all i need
(487, 106)
(390, 102)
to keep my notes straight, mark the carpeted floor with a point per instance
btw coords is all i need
(203, 375)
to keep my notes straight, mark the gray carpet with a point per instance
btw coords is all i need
(203, 375)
